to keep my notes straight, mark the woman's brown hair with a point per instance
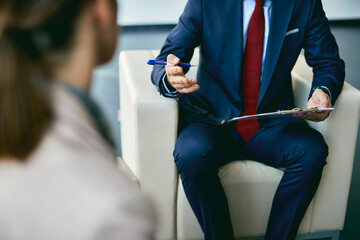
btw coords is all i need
(30, 31)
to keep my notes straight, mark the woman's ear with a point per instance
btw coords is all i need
(104, 17)
(105, 11)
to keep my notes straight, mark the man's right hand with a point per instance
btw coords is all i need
(176, 78)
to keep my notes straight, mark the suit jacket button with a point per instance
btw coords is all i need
(223, 122)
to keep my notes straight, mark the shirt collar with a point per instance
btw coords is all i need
(266, 2)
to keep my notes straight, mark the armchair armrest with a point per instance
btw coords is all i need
(148, 132)
(340, 133)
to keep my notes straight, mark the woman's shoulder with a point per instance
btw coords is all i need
(79, 153)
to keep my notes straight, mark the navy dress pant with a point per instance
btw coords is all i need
(201, 149)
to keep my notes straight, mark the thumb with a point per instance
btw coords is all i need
(325, 101)
(171, 58)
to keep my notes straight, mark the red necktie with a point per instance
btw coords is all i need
(252, 71)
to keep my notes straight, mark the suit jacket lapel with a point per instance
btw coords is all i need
(241, 36)
(233, 36)
(280, 17)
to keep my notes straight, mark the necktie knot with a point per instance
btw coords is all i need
(259, 2)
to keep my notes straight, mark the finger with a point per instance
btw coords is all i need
(171, 58)
(183, 82)
(174, 71)
(299, 115)
(190, 89)
(324, 102)
(317, 117)
(179, 80)
(191, 81)
(319, 114)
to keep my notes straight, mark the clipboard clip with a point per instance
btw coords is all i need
(299, 110)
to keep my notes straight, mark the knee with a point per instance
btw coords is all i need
(192, 160)
(311, 154)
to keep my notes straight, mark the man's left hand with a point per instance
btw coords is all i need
(318, 99)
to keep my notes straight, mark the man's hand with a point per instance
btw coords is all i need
(318, 99)
(177, 79)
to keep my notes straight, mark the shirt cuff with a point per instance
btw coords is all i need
(167, 92)
(328, 92)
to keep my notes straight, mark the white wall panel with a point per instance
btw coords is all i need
(150, 12)
(153, 12)
(342, 9)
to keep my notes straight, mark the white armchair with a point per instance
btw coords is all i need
(149, 131)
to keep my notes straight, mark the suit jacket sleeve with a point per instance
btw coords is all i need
(322, 53)
(181, 41)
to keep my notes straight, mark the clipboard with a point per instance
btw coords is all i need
(281, 113)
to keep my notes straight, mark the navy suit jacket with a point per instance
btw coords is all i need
(217, 27)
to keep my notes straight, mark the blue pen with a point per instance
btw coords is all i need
(161, 62)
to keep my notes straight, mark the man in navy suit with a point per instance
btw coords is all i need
(248, 49)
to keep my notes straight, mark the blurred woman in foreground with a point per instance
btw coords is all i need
(58, 176)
